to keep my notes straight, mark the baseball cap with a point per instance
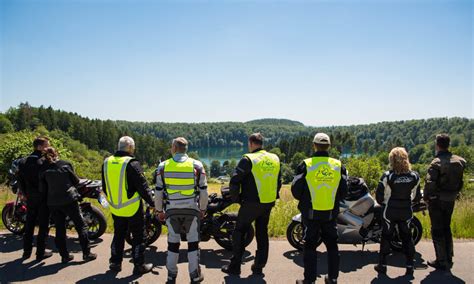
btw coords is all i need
(322, 138)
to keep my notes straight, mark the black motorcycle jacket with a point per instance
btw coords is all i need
(445, 177)
(300, 191)
(397, 192)
(242, 184)
(136, 181)
(28, 176)
(55, 179)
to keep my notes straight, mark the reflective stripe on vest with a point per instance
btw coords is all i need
(179, 177)
(116, 187)
(265, 170)
(322, 176)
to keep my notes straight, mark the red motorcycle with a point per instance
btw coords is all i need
(14, 212)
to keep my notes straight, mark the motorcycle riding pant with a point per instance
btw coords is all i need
(327, 231)
(189, 225)
(59, 214)
(136, 225)
(249, 212)
(37, 210)
(440, 216)
(388, 231)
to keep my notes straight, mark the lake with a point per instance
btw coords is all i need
(207, 155)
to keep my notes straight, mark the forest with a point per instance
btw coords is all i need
(363, 148)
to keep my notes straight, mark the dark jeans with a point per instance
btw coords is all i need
(249, 212)
(440, 215)
(59, 214)
(314, 230)
(136, 225)
(388, 231)
(37, 210)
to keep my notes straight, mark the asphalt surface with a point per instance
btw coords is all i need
(284, 264)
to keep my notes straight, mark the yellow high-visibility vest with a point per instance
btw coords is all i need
(179, 177)
(322, 176)
(265, 170)
(116, 187)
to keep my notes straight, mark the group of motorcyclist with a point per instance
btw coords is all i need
(49, 186)
(180, 199)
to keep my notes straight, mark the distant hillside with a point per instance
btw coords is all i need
(275, 121)
(153, 138)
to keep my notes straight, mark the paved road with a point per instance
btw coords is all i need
(284, 265)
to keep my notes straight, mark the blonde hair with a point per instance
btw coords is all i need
(399, 162)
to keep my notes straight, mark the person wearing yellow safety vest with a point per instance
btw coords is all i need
(125, 185)
(319, 184)
(255, 184)
(181, 199)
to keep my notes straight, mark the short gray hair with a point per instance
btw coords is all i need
(125, 142)
(181, 144)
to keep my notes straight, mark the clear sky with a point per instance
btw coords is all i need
(319, 62)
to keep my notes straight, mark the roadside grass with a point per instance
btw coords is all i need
(285, 208)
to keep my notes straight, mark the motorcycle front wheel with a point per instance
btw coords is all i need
(227, 228)
(13, 223)
(95, 221)
(295, 234)
(152, 231)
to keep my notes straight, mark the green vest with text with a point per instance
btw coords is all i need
(265, 171)
(115, 176)
(179, 177)
(322, 176)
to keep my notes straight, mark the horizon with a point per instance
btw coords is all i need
(319, 63)
(264, 118)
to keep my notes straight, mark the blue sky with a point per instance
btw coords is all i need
(319, 62)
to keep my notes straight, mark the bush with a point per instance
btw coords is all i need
(368, 168)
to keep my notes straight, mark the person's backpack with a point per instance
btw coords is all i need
(13, 173)
(356, 188)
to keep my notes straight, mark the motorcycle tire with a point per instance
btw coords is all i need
(295, 233)
(17, 227)
(95, 221)
(225, 240)
(152, 232)
(416, 231)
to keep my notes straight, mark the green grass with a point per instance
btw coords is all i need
(462, 221)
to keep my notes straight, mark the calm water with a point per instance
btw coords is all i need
(207, 155)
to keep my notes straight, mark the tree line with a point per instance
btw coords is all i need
(358, 145)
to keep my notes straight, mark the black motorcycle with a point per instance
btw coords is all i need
(14, 212)
(215, 224)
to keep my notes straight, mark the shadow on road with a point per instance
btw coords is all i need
(108, 277)
(10, 243)
(30, 269)
(217, 258)
(19, 270)
(437, 276)
(252, 279)
(352, 260)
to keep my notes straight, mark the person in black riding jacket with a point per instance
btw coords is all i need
(397, 189)
(122, 175)
(58, 181)
(28, 172)
(444, 182)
